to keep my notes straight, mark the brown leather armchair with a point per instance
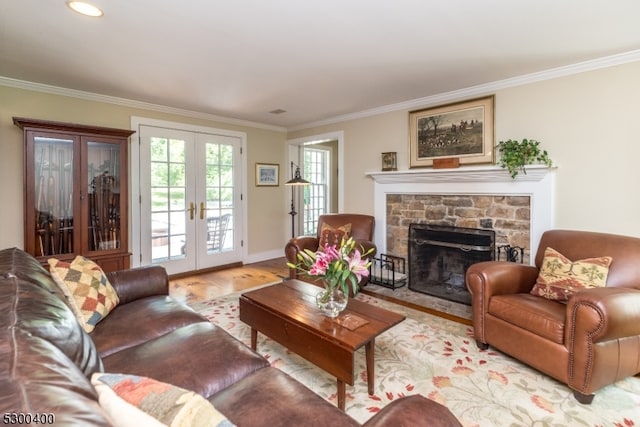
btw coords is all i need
(361, 231)
(591, 341)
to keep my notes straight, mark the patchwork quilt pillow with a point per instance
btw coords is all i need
(560, 277)
(333, 236)
(133, 401)
(87, 289)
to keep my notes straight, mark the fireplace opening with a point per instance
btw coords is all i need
(439, 257)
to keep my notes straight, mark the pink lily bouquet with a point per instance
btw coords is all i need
(336, 266)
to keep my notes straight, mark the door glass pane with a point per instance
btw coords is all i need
(168, 199)
(159, 234)
(219, 193)
(54, 196)
(103, 168)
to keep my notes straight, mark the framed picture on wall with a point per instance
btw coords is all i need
(267, 174)
(463, 130)
(389, 161)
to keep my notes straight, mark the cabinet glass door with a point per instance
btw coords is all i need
(53, 223)
(104, 195)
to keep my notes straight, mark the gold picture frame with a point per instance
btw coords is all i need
(390, 161)
(267, 174)
(462, 130)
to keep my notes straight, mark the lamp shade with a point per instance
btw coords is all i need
(297, 179)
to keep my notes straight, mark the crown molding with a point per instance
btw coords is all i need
(89, 96)
(483, 89)
(473, 91)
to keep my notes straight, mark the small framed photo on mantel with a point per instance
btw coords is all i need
(390, 161)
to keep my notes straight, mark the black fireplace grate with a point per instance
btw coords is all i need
(439, 257)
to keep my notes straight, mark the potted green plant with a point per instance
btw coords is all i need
(515, 155)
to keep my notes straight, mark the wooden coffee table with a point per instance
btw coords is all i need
(287, 314)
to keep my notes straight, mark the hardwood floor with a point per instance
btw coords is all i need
(204, 286)
(213, 284)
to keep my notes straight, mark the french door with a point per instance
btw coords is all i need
(190, 205)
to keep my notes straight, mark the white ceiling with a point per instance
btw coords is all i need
(316, 59)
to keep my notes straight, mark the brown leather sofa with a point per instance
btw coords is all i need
(591, 341)
(361, 231)
(46, 358)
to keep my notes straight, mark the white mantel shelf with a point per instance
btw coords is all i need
(537, 183)
(461, 174)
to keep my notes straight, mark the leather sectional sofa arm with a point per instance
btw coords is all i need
(138, 283)
(413, 411)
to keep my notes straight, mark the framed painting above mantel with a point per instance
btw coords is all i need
(463, 130)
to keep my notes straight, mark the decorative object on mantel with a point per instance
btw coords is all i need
(390, 161)
(447, 163)
(515, 155)
(463, 130)
(337, 267)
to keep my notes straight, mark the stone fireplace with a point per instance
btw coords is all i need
(517, 210)
(508, 216)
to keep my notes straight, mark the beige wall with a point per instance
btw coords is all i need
(266, 206)
(588, 122)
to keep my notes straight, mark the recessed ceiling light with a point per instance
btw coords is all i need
(85, 8)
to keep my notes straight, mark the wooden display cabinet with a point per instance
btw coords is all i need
(76, 192)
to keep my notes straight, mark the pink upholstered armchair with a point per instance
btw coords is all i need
(331, 226)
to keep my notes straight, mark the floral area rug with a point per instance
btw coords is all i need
(438, 358)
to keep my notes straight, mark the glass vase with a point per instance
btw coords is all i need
(331, 301)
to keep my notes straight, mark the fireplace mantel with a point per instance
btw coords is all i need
(538, 183)
(462, 174)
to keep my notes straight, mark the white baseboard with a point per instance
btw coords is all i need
(263, 256)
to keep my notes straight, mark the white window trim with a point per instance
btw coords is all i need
(291, 151)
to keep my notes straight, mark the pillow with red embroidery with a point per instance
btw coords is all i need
(134, 401)
(560, 277)
(87, 289)
(333, 236)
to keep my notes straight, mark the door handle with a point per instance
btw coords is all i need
(192, 208)
(202, 209)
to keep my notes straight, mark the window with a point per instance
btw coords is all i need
(316, 196)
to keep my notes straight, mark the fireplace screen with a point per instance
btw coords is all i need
(440, 255)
